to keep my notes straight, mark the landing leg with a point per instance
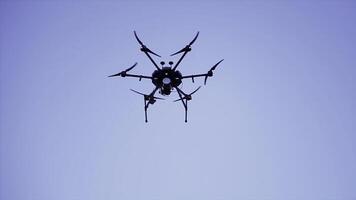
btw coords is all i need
(146, 115)
(145, 110)
(185, 103)
(147, 101)
(186, 111)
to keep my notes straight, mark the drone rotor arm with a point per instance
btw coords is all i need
(144, 47)
(146, 50)
(186, 49)
(206, 75)
(194, 76)
(138, 76)
(123, 73)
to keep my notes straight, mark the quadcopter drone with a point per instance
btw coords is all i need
(166, 79)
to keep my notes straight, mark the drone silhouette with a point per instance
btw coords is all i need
(166, 78)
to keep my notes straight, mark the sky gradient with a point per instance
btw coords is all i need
(276, 122)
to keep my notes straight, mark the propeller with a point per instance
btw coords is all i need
(187, 48)
(147, 97)
(210, 72)
(143, 47)
(188, 96)
(123, 73)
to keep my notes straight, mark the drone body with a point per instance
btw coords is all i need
(166, 79)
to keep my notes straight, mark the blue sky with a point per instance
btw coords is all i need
(277, 121)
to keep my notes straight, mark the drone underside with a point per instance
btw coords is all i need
(166, 79)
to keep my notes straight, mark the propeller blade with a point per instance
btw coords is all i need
(188, 97)
(214, 67)
(158, 98)
(195, 38)
(178, 52)
(195, 90)
(119, 74)
(138, 92)
(138, 39)
(210, 72)
(178, 99)
(146, 95)
(187, 48)
(131, 67)
(143, 46)
(148, 50)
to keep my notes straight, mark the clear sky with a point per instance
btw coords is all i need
(276, 122)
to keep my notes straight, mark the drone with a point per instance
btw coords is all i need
(166, 78)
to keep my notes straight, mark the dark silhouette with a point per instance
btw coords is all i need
(166, 79)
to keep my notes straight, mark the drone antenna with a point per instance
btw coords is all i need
(162, 63)
(170, 63)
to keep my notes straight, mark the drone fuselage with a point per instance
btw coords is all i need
(166, 79)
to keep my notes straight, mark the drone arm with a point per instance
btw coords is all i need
(186, 49)
(124, 74)
(198, 75)
(180, 92)
(154, 91)
(206, 75)
(146, 50)
(181, 58)
(195, 75)
(138, 76)
(151, 59)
